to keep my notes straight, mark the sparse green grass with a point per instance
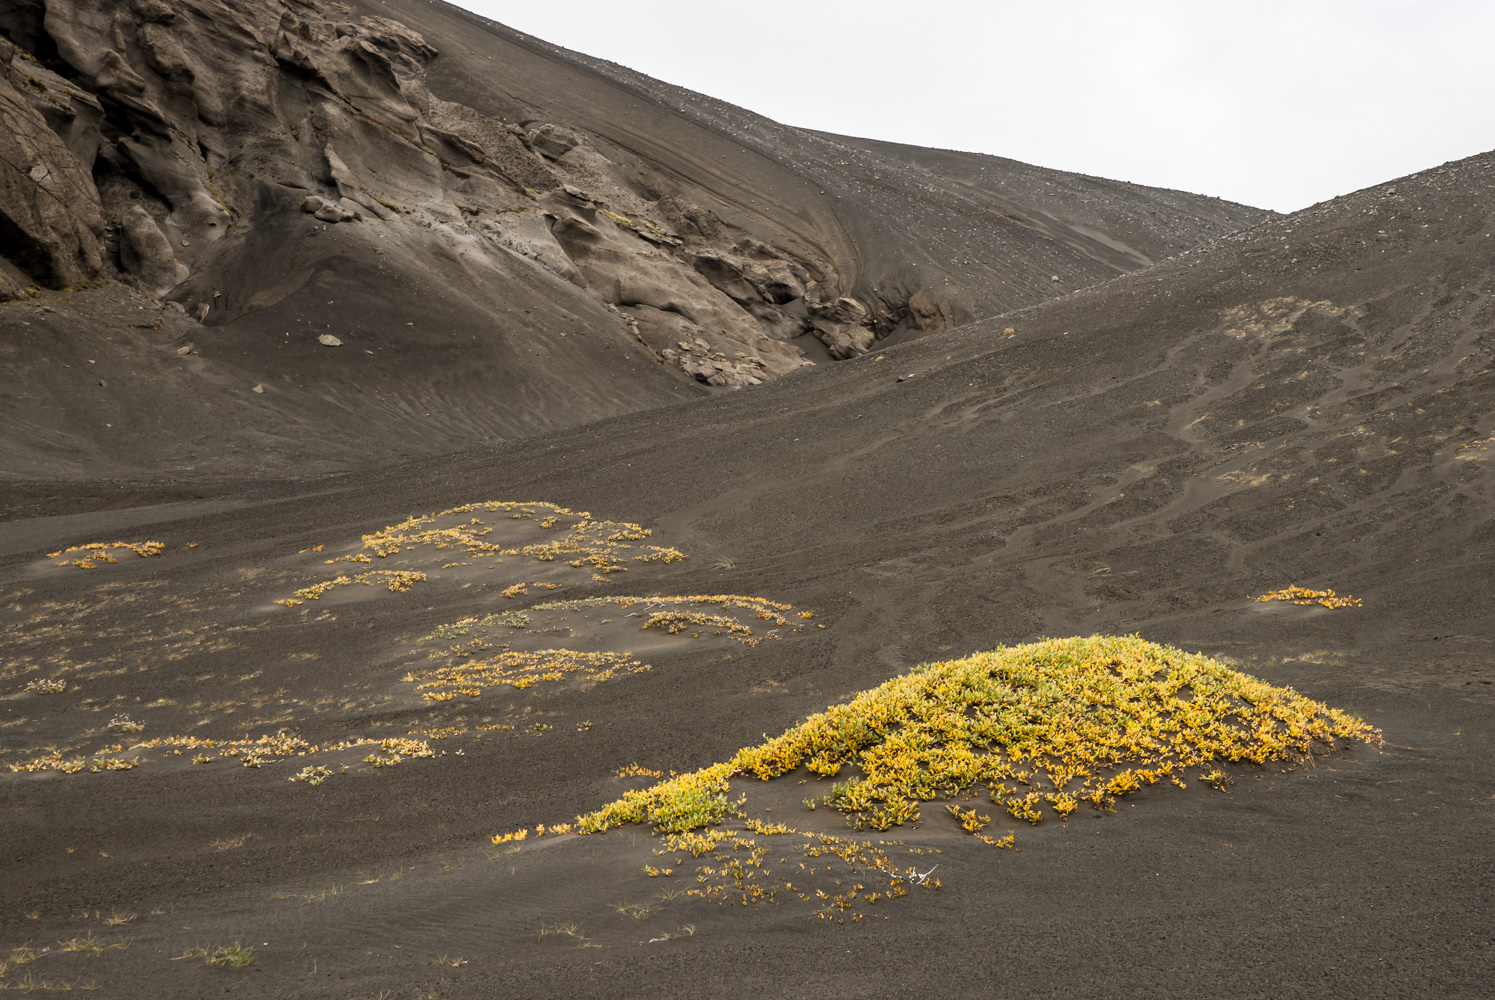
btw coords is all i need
(318, 896)
(89, 945)
(571, 930)
(636, 911)
(18, 957)
(30, 984)
(223, 956)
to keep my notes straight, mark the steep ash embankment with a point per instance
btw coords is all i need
(391, 229)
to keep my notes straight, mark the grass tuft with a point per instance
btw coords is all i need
(224, 956)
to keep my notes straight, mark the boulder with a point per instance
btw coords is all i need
(929, 314)
(145, 253)
(553, 141)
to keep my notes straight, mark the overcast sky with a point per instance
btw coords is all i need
(1275, 104)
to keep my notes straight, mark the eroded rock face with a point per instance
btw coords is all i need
(196, 148)
(51, 223)
(145, 252)
(211, 103)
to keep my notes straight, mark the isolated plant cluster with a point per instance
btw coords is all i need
(1304, 597)
(604, 546)
(1049, 724)
(1043, 726)
(97, 552)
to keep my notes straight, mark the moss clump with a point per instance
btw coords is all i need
(1053, 723)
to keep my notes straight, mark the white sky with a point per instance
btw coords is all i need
(1275, 104)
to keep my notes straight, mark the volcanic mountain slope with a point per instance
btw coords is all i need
(1306, 403)
(498, 236)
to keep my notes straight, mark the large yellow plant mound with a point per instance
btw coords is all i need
(1048, 725)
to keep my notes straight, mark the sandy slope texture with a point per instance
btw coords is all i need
(1304, 403)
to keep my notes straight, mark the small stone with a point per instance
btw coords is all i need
(184, 350)
(328, 340)
(259, 388)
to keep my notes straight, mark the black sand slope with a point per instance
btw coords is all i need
(1304, 403)
(336, 235)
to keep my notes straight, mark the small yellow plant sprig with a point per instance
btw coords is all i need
(509, 838)
(97, 552)
(1304, 597)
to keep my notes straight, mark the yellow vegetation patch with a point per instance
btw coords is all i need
(397, 580)
(1040, 727)
(250, 752)
(520, 669)
(657, 612)
(478, 653)
(1304, 597)
(579, 541)
(94, 553)
(1049, 724)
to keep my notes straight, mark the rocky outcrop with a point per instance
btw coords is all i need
(51, 222)
(145, 252)
(224, 153)
(209, 104)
